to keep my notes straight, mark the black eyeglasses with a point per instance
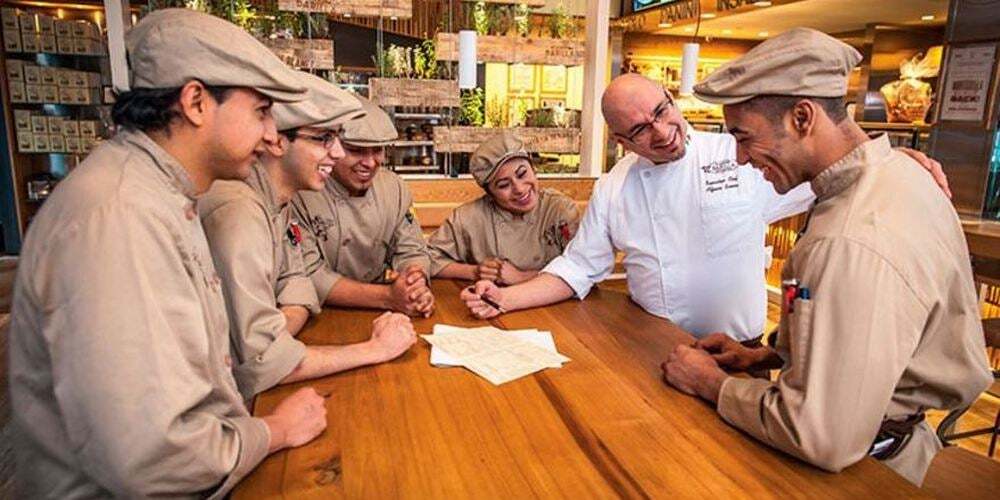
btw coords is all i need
(327, 140)
(642, 130)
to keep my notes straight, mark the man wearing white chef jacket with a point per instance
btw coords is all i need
(689, 219)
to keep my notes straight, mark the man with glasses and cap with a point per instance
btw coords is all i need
(880, 320)
(362, 244)
(513, 230)
(120, 374)
(257, 251)
(689, 218)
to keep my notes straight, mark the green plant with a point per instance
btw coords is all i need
(481, 19)
(521, 20)
(425, 63)
(560, 24)
(496, 112)
(471, 110)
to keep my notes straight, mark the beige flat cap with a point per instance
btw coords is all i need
(374, 130)
(170, 47)
(325, 106)
(799, 62)
(492, 154)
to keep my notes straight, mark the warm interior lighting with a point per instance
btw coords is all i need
(689, 29)
(727, 32)
(708, 15)
(762, 4)
(347, 14)
(928, 17)
(393, 18)
(61, 14)
(762, 34)
(666, 25)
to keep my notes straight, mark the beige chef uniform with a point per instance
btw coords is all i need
(890, 327)
(361, 237)
(120, 373)
(257, 250)
(480, 229)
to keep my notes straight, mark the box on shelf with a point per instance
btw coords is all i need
(88, 128)
(12, 41)
(39, 124)
(64, 28)
(50, 94)
(48, 44)
(86, 29)
(32, 74)
(47, 75)
(46, 24)
(78, 79)
(22, 120)
(93, 80)
(57, 144)
(87, 46)
(8, 17)
(65, 45)
(25, 142)
(55, 124)
(15, 70)
(66, 95)
(72, 143)
(41, 143)
(33, 94)
(64, 77)
(17, 92)
(27, 22)
(70, 128)
(31, 42)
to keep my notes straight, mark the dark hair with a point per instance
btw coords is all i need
(153, 109)
(774, 107)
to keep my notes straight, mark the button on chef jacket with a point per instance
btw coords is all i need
(692, 232)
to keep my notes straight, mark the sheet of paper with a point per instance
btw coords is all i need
(495, 354)
(542, 339)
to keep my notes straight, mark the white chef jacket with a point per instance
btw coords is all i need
(692, 232)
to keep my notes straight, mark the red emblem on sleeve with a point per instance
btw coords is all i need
(294, 234)
(564, 232)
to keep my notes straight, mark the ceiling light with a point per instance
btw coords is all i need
(708, 15)
(762, 34)
(762, 4)
(929, 17)
(727, 32)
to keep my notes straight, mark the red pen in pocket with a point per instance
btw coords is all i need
(789, 290)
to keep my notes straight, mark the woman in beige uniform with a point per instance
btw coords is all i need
(511, 232)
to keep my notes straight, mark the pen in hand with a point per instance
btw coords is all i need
(488, 301)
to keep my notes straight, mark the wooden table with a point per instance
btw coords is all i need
(603, 425)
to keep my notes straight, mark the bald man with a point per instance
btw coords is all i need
(688, 216)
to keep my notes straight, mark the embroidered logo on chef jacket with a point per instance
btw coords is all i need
(411, 215)
(319, 225)
(720, 178)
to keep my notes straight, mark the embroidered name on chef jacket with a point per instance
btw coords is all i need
(720, 176)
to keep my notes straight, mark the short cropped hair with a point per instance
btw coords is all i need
(153, 109)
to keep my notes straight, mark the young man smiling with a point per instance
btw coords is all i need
(363, 246)
(256, 249)
(119, 353)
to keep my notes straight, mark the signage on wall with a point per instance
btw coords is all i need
(967, 85)
(638, 5)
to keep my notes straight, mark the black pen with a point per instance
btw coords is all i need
(488, 301)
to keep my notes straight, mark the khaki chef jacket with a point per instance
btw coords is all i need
(480, 230)
(256, 250)
(121, 379)
(360, 237)
(892, 326)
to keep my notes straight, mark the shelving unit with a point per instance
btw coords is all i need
(56, 96)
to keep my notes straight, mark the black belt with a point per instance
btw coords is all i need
(893, 436)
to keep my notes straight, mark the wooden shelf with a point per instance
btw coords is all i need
(412, 143)
(412, 92)
(538, 140)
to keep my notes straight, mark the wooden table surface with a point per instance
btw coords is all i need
(603, 425)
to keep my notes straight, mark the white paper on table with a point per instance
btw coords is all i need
(494, 355)
(540, 338)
